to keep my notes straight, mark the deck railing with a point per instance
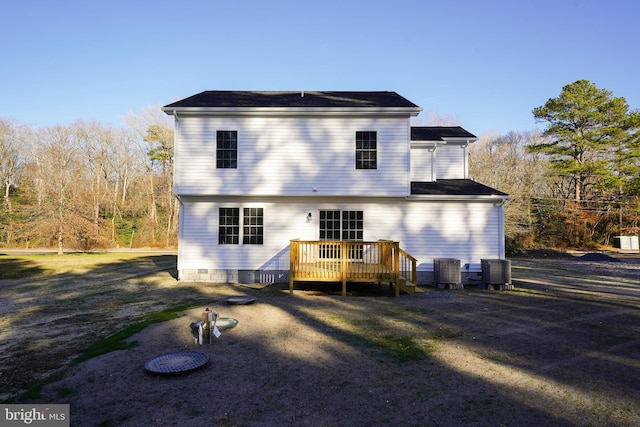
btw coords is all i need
(349, 261)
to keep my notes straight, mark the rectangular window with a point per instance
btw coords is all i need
(366, 150)
(329, 225)
(329, 230)
(341, 225)
(352, 229)
(352, 225)
(253, 227)
(227, 149)
(229, 226)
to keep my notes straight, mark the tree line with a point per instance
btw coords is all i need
(87, 185)
(577, 183)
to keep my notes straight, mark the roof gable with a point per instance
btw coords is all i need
(289, 99)
(439, 133)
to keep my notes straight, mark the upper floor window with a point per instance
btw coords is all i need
(227, 149)
(366, 150)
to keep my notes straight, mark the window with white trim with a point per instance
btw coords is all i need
(352, 225)
(366, 150)
(230, 232)
(227, 149)
(340, 225)
(252, 231)
(229, 226)
(330, 225)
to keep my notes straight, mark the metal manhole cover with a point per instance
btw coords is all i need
(177, 362)
(241, 300)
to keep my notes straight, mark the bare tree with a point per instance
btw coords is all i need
(160, 138)
(9, 158)
(503, 162)
(433, 118)
(94, 141)
(127, 163)
(63, 207)
(114, 160)
(156, 129)
(86, 184)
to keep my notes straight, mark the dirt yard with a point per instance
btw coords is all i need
(562, 349)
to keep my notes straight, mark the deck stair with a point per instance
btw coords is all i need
(410, 288)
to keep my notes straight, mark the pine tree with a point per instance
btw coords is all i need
(592, 137)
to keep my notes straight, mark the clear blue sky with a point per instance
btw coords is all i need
(488, 63)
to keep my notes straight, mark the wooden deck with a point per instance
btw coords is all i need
(352, 261)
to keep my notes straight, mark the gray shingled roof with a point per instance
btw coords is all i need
(438, 133)
(234, 99)
(454, 187)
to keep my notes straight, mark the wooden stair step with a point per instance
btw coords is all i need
(410, 288)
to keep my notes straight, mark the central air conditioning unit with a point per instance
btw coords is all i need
(446, 271)
(496, 271)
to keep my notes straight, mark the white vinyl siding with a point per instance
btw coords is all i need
(198, 247)
(421, 162)
(468, 231)
(462, 230)
(291, 156)
(450, 162)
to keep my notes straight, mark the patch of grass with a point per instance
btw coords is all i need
(19, 268)
(376, 332)
(117, 341)
(402, 349)
(447, 333)
(33, 394)
(39, 265)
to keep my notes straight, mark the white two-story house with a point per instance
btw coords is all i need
(256, 170)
